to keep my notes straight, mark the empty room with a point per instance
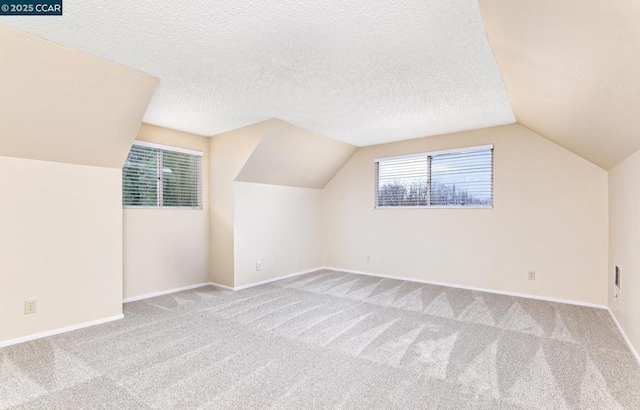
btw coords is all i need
(231, 204)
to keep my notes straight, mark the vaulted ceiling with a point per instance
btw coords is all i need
(367, 72)
(363, 72)
(309, 160)
(60, 105)
(572, 70)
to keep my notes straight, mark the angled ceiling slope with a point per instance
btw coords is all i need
(61, 105)
(291, 156)
(364, 72)
(572, 70)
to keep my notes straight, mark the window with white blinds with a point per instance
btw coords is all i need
(453, 178)
(162, 177)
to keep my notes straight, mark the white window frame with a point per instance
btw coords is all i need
(431, 154)
(168, 148)
(160, 176)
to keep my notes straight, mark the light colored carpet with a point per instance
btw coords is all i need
(330, 340)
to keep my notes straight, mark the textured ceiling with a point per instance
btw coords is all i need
(364, 72)
(572, 69)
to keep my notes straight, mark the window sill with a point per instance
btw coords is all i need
(186, 208)
(437, 207)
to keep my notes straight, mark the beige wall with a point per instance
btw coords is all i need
(60, 243)
(165, 249)
(243, 162)
(229, 152)
(624, 245)
(277, 225)
(61, 221)
(549, 215)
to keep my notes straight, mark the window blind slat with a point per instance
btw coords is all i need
(455, 179)
(162, 178)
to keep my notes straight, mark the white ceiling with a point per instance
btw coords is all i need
(364, 72)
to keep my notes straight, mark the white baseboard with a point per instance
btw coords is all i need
(58, 331)
(164, 292)
(624, 335)
(264, 282)
(219, 286)
(453, 285)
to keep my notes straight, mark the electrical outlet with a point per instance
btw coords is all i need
(258, 265)
(532, 275)
(30, 307)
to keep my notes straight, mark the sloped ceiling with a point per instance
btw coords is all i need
(363, 72)
(60, 105)
(291, 156)
(572, 70)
